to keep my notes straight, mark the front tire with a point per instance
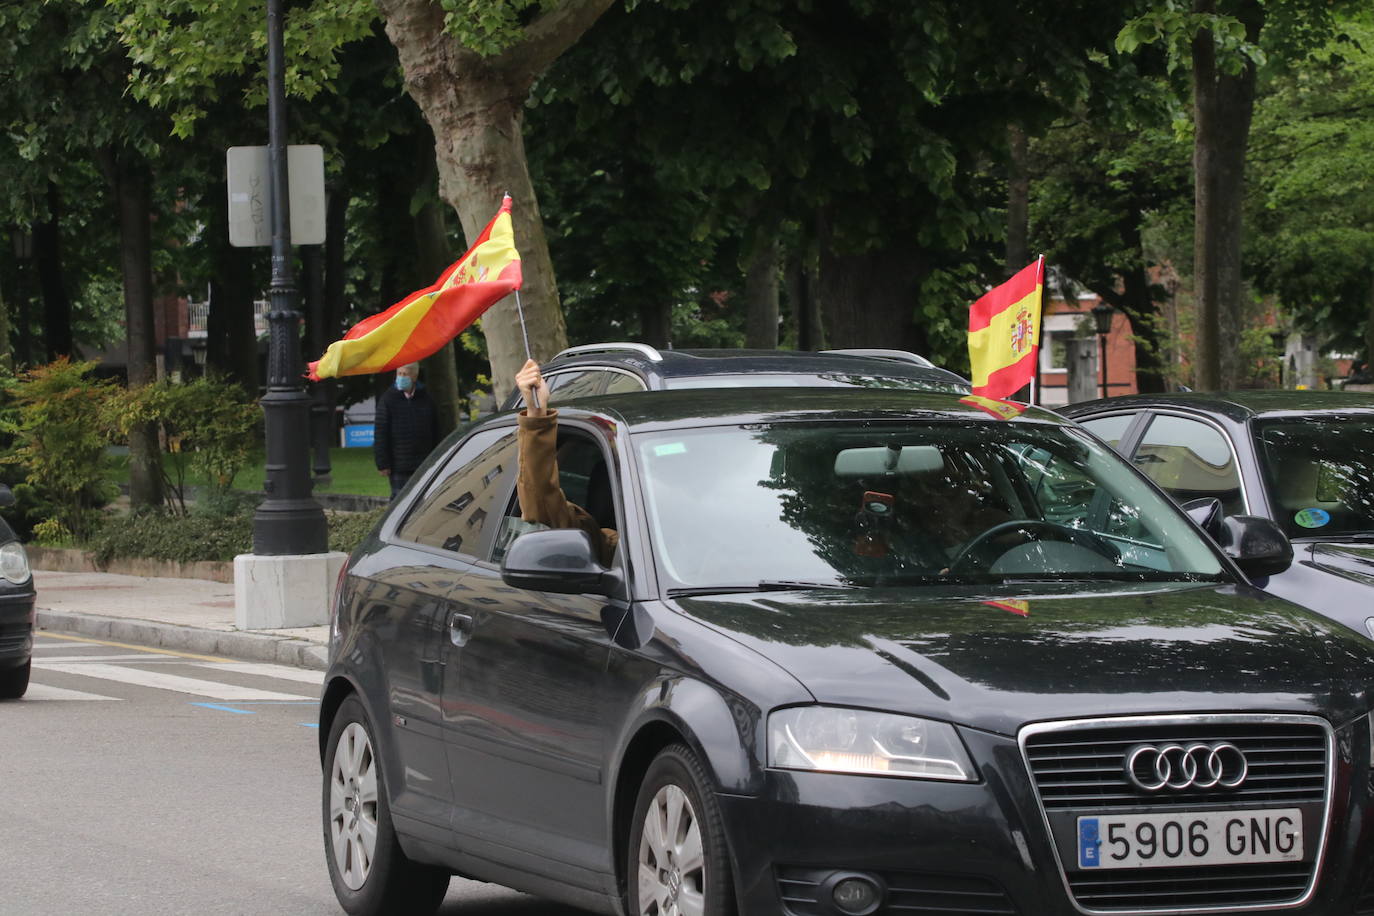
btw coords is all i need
(14, 682)
(679, 863)
(370, 873)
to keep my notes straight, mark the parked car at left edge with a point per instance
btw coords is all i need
(16, 609)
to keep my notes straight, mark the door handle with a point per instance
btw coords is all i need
(459, 628)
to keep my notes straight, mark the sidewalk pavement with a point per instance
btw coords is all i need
(186, 615)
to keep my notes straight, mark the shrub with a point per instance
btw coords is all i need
(347, 529)
(184, 539)
(208, 420)
(60, 427)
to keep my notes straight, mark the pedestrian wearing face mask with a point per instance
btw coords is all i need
(407, 428)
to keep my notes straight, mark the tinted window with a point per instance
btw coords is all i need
(1320, 473)
(1109, 429)
(454, 510)
(893, 503)
(1190, 460)
(621, 383)
(569, 385)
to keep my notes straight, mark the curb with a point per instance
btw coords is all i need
(256, 647)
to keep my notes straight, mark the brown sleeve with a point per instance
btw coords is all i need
(541, 496)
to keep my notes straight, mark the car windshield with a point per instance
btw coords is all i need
(878, 503)
(935, 383)
(1320, 474)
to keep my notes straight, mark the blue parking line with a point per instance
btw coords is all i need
(309, 724)
(242, 712)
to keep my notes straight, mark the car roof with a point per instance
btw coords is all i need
(646, 411)
(680, 364)
(1235, 405)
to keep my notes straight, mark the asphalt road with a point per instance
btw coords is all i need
(141, 783)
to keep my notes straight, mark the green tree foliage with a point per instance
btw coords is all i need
(1312, 201)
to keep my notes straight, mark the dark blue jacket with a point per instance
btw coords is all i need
(407, 430)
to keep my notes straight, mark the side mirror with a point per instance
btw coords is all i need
(6, 496)
(1206, 512)
(1259, 547)
(558, 560)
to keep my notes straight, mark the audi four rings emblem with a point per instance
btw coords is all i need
(1186, 766)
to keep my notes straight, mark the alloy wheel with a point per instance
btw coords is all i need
(672, 866)
(353, 806)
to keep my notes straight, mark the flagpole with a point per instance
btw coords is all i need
(1039, 331)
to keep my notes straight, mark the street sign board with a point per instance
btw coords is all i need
(250, 195)
(358, 436)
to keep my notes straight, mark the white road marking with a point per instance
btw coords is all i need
(44, 692)
(280, 672)
(160, 681)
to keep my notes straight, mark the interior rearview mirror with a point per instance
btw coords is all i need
(559, 560)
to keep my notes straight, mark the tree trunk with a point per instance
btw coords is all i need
(433, 254)
(231, 337)
(1369, 331)
(806, 311)
(475, 108)
(1018, 200)
(761, 293)
(869, 300)
(47, 258)
(1222, 108)
(132, 188)
(655, 319)
(6, 355)
(1137, 302)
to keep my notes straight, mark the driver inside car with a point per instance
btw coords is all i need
(541, 496)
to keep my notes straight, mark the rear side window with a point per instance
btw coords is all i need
(454, 512)
(1190, 460)
(1109, 429)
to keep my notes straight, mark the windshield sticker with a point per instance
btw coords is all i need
(1312, 518)
(672, 448)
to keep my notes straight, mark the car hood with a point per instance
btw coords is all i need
(999, 659)
(1353, 561)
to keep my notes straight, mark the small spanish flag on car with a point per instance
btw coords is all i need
(1004, 333)
(424, 321)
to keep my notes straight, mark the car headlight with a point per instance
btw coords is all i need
(14, 563)
(837, 740)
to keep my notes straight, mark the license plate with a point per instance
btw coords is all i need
(1182, 838)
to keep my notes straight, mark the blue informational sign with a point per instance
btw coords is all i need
(358, 436)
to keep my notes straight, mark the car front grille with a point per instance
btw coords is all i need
(907, 893)
(1287, 766)
(1079, 769)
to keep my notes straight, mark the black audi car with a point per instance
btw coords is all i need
(1304, 459)
(16, 610)
(858, 652)
(618, 368)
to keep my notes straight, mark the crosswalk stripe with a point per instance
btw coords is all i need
(160, 681)
(280, 672)
(44, 692)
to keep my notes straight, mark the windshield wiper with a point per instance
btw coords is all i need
(765, 585)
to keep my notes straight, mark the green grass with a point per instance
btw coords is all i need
(351, 471)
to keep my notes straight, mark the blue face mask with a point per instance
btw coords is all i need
(404, 383)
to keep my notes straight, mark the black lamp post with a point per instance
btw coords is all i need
(1102, 317)
(289, 521)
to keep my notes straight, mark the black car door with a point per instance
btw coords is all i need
(407, 597)
(526, 718)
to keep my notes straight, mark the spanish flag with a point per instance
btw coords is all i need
(424, 321)
(1004, 334)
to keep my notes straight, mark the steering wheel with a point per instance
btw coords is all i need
(1029, 529)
